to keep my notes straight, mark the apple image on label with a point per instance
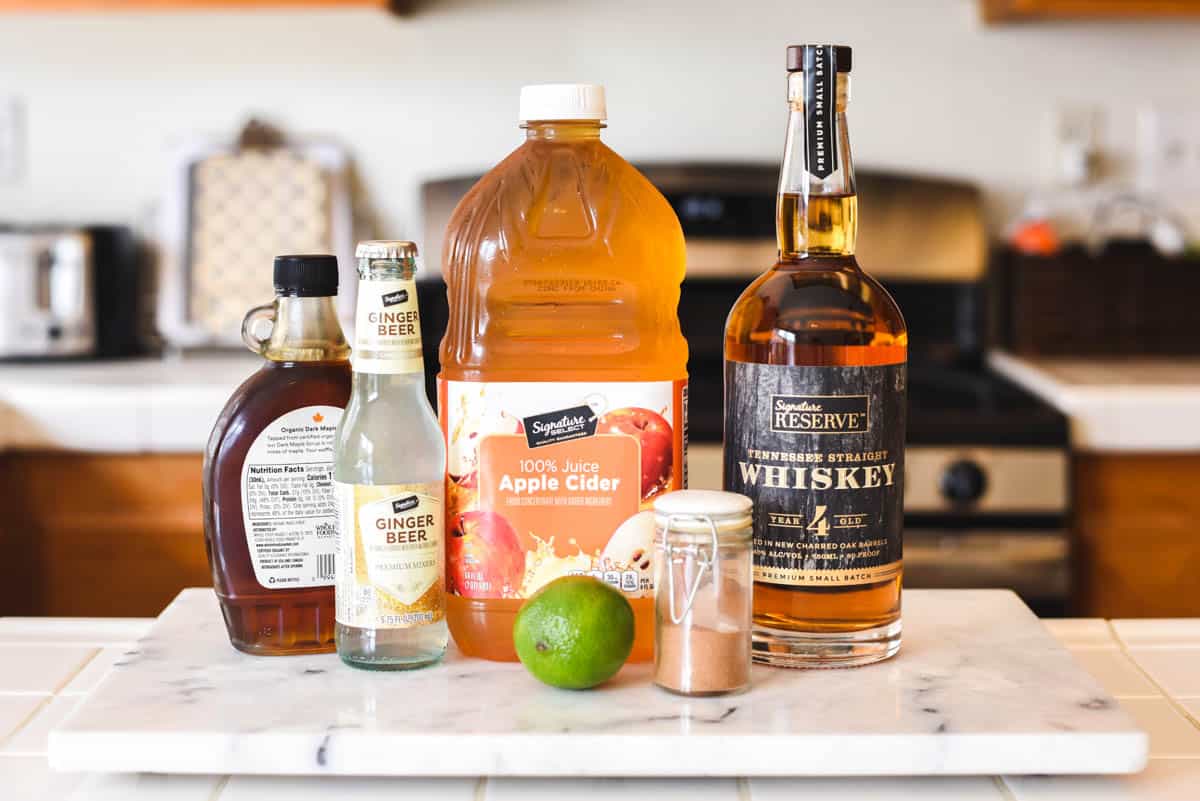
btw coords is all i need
(631, 548)
(483, 557)
(654, 434)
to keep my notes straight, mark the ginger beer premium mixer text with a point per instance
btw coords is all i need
(562, 440)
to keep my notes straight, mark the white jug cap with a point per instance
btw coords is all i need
(563, 101)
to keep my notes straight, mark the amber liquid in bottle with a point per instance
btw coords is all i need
(307, 365)
(819, 309)
(563, 265)
(815, 307)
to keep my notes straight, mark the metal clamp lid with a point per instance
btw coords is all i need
(706, 562)
(695, 512)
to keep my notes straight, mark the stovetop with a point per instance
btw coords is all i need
(973, 405)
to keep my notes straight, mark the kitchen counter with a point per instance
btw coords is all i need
(169, 405)
(131, 406)
(48, 665)
(1116, 405)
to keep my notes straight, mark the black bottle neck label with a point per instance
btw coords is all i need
(820, 111)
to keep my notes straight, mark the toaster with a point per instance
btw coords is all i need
(70, 292)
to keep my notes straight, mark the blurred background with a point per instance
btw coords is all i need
(1029, 173)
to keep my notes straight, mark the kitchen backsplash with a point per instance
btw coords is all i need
(108, 98)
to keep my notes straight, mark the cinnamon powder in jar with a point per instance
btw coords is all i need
(703, 592)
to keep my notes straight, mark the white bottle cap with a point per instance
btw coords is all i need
(563, 101)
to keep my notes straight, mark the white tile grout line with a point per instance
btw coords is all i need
(62, 685)
(25, 721)
(219, 788)
(1180, 708)
(46, 699)
(1002, 787)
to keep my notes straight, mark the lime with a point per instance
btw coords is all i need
(574, 633)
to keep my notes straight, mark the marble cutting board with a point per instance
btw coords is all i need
(979, 687)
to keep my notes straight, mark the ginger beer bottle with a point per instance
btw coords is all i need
(389, 470)
(564, 373)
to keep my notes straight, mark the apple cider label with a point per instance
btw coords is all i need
(548, 479)
(390, 555)
(288, 506)
(387, 328)
(820, 451)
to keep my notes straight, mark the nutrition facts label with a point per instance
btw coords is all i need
(288, 503)
(283, 491)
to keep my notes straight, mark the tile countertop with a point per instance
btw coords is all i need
(1131, 405)
(1152, 666)
(137, 405)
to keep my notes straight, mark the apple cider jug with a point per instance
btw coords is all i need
(563, 385)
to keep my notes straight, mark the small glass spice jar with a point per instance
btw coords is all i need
(704, 587)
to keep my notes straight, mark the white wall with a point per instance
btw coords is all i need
(108, 95)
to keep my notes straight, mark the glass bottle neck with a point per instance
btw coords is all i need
(817, 208)
(397, 387)
(563, 130)
(306, 330)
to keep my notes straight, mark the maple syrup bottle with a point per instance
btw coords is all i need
(270, 511)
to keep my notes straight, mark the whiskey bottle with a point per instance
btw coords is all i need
(815, 386)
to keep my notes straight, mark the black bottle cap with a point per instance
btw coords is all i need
(306, 276)
(800, 57)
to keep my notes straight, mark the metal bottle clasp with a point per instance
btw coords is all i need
(711, 562)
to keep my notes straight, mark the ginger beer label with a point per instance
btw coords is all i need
(387, 328)
(820, 451)
(390, 555)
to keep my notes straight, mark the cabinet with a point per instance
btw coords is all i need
(99, 535)
(1002, 11)
(1136, 544)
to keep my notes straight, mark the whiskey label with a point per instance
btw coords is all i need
(820, 451)
(820, 109)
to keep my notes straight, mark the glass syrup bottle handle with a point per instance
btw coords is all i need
(268, 311)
